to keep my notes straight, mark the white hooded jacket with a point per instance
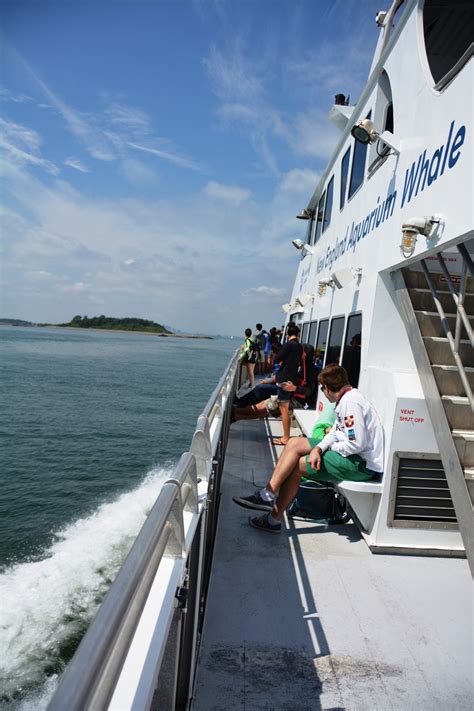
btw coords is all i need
(356, 430)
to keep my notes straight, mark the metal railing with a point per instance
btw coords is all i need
(462, 319)
(154, 570)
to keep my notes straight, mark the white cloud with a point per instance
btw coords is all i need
(21, 145)
(299, 181)
(234, 76)
(72, 254)
(268, 290)
(108, 135)
(180, 160)
(230, 193)
(7, 95)
(76, 164)
(78, 286)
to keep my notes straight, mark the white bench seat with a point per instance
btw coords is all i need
(364, 487)
(363, 496)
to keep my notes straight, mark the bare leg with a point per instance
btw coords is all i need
(289, 489)
(250, 370)
(251, 412)
(295, 449)
(285, 420)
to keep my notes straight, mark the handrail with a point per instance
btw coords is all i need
(460, 312)
(90, 678)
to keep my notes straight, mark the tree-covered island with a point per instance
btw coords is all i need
(116, 324)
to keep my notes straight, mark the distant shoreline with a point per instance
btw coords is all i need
(109, 330)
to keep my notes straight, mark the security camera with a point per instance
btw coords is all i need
(297, 243)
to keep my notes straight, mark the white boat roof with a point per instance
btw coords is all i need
(311, 619)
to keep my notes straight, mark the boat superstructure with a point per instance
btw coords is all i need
(207, 613)
(388, 256)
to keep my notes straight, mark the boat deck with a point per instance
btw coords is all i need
(311, 619)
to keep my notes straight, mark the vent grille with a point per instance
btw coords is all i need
(422, 494)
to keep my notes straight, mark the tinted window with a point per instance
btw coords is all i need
(328, 208)
(319, 217)
(351, 357)
(335, 341)
(322, 336)
(344, 174)
(389, 119)
(313, 326)
(448, 26)
(304, 332)
(382, 148)
(309, 231)
(358, 167)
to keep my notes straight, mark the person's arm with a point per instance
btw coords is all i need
(329, 440)
(355, 437)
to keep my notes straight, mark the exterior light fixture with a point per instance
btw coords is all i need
(286, 307)
(305, 214)
(344, 277)
(323, 285)
(412, 228)
(303, 299)
(305, 248)
(364, 132)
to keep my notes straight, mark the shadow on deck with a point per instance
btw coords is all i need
(312, 620)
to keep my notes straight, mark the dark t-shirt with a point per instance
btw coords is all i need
(290, 357)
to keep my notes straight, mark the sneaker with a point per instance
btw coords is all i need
(254, 501)
(263, 524)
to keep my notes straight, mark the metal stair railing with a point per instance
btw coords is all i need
(461, 316)
(449, 456)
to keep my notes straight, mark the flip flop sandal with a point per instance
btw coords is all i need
(278, 442)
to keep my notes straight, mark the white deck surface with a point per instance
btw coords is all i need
(311, 619)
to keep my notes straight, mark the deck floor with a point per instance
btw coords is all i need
(311, 619)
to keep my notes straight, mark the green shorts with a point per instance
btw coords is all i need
(336, 468)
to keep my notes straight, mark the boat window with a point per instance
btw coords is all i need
(309, 231)
(322, 336)
(328, 208)
(319, 217)
(448, 27)
(313, 327)
(352, 345)
(358, 165)
(383, 120)
(304, 332)
(335, 340)
(389, 118)
(344, 174)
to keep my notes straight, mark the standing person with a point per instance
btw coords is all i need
(274, 346)
(289, 356)
(267, 355)
(260, 340)
(249, 355)
(352, 450)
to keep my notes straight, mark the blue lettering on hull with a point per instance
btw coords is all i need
(422, 173)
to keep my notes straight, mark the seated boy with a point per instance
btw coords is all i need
(352, 450)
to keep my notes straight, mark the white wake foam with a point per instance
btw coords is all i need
(45, 603)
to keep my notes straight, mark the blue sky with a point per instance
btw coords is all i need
(154, 154)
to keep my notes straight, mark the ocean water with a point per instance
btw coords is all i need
(91, 424)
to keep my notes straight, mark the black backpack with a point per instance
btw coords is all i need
(317, 501)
